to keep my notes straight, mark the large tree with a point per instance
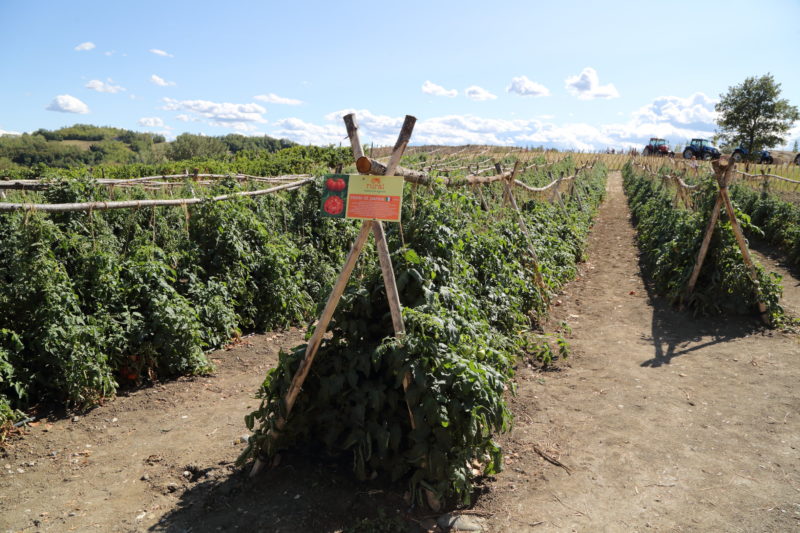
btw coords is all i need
(754, 116)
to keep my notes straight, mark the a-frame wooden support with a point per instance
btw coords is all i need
(723, 173)
(367, 226)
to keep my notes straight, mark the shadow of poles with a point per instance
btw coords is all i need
(675, 333)
(304, 493)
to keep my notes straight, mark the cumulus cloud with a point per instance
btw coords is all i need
(695, 111)
(161, 82)
(272, 98)
(161, 53)
(85, 47)
(151, 122)
(240, 117)
(308, 133)
(522, 86)
(64, 103)
(586, 86)
(437, 90)
(6, 132)
(674, 118)
(183, 117)
(478, 94)
(104, 87)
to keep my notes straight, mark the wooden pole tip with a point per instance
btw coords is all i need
(364, 164)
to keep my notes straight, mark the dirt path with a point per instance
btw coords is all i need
(666, 423)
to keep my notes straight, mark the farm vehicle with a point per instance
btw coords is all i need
(701, 149)
(658, 147)
(742, 154)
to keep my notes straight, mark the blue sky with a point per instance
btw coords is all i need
(570, 74)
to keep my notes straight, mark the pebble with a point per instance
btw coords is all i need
(186, 473)
(75, 418)
(146, 477)
(114, 419)
(244, 439)
(172, 487)
(456, 522)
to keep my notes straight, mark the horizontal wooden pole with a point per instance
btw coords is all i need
(135, 204)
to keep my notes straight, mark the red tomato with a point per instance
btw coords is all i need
(333, 205)
(335, 184)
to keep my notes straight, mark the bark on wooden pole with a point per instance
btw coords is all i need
(316, 338)
(724, 178)
(701, 254)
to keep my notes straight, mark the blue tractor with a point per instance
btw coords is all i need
(762, 156)
(701, 149)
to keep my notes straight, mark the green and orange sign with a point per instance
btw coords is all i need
(362, 197)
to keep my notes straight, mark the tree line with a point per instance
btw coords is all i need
(88, 145)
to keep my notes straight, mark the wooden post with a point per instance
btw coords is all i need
(319, 331)
(701, 255)
(537, 273)
(341, 282)
(724, 178)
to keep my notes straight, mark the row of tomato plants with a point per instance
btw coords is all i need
(470, 304)
(670, 237)
(91, 301)
(778, 220)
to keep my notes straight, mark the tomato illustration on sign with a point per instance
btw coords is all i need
(335, 184)
(334, 205)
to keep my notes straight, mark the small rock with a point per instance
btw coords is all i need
(296, 496)
(146, 477)
(187, 474)
(114, 419)
(32, 463)
(72, 513)
(456, 522)
(20, 471)
(75, 418)
(244, 439)
(172, 487)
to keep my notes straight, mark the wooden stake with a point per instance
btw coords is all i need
(724, 179)
(316, 337)
(701, 255)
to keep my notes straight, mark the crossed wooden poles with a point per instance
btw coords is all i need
(723, 173)
(376, 227)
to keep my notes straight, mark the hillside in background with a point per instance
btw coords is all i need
(84, 144)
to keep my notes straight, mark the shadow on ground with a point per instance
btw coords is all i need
(304, 493)
(675, 333)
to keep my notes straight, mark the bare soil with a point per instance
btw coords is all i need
(663, 422)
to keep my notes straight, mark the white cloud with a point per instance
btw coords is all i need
(478, 94)
(272, 98)
(307, 133)
(6, 132)
(158, 80)
(586, 86)
(110, 53)
(695, 111)
(65, 103)
(104, 87)
(183, 117)
(240, 117)
(161, 53)
(522, 86)
(84, 47)
(151, 122)
(437, 90)
(676, 119)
